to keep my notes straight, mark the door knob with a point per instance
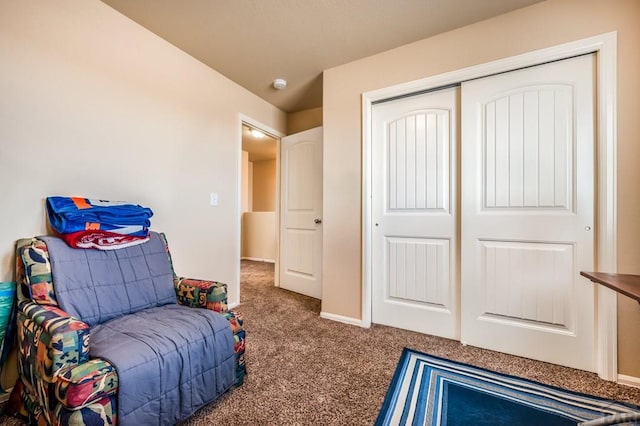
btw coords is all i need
(317, 221)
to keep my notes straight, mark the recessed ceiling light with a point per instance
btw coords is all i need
(257, 134)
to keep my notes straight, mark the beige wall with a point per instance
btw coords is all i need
(304, 120)
(247, 184)
(259, 236)
(542, 25)
(95, 105)
(264, 186)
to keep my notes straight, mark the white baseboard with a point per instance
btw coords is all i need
(623, 379)
(340, 318)
(232, 305)
(255, 259)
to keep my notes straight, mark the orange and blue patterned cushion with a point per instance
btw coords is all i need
(202, 294)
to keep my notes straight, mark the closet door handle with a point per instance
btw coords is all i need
(317, 221)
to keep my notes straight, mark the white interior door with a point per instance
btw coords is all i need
(414, 213)
(301, 213)
(528, 212)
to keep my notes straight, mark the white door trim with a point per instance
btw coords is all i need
(605, 47)
(242, 118)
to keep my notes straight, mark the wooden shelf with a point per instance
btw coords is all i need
(629, 285)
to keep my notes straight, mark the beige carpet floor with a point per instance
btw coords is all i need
(305, 370)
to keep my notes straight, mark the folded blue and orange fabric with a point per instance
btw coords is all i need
(101, 224)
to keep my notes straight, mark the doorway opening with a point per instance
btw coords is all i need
(259, 195)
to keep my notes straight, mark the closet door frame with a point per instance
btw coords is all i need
(605, 47)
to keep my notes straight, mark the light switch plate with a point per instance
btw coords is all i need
(213, 198)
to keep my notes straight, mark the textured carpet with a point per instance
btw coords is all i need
(305, 370)
(429, 390)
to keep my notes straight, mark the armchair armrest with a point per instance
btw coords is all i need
(79, 386)
(211, 295)
(50, 340)
(239, 335)
(54, 352)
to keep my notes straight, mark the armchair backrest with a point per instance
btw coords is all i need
(95, 286)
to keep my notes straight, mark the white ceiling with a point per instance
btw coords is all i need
(252, 42)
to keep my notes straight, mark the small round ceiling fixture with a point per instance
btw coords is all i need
(279, 83)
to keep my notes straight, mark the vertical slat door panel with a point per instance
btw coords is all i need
(527, 136)
(527, 149)
(562, 137)
(415, 235)
(501, 130)
(401, 162)
(546, 150)
(516, 159)
(393, 148)
(527, 281)
(530, 149)
(410, 168)
(421, 162)
(431, 134)
(418, 270)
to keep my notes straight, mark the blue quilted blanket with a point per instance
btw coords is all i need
(171, 360)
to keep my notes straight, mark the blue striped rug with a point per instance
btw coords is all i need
(427, 390)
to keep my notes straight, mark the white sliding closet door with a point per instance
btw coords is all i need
(528, 212)
(414, 213)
